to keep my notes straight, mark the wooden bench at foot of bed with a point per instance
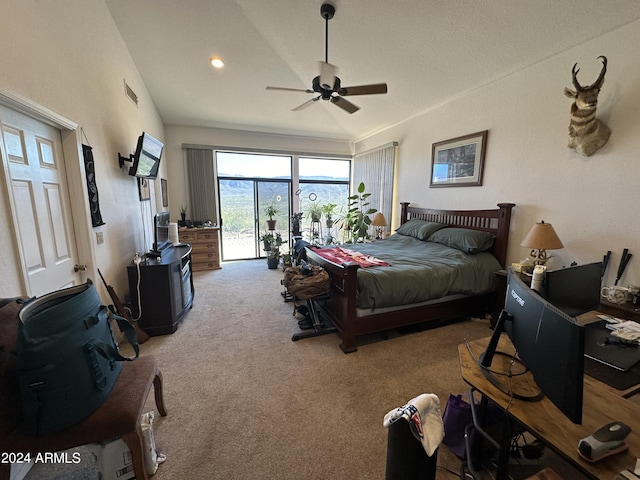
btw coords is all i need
(341, 308)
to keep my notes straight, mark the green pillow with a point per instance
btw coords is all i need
(420, 229)
(469, 241)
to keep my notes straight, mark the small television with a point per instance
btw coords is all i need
(574, 290)
(161, 231)
(146, 159)
(548, 342)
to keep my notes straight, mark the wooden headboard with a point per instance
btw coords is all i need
(495, 221)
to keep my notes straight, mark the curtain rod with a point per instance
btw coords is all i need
(375, 149)
(265, 151)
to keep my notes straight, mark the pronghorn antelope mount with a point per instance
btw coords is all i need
(587, 134)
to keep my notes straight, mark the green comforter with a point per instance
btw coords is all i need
(420, 271)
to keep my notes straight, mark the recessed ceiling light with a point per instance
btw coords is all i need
(216, 62)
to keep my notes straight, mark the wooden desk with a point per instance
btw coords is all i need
(543, 419)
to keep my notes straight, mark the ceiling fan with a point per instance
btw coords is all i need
(327, 84)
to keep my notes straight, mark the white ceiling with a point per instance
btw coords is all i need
(427, 51)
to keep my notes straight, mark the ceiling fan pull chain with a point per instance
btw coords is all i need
(326, 39)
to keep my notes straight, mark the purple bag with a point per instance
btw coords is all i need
(456, 417)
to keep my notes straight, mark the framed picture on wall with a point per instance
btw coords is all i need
(458, 162)
(143, 189)
(165, 194)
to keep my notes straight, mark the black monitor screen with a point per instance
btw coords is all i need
(161, 231)
(549, 343)
(574, 290)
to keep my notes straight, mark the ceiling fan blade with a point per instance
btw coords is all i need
(327, 75)
(306, 104)
(364, 89)
(290, 89)
(344, 104)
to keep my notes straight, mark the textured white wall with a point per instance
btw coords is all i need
(593, 202)
(72, 61)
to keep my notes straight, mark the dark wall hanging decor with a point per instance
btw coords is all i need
(144, 190)
(92, 187)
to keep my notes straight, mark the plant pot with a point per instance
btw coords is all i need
(272, 263)
(271, 224)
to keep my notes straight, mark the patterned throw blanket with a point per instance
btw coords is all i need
(341, 255)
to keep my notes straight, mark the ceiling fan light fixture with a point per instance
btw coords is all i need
(216, 62)
(327, 84)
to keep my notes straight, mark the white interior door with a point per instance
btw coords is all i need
(40, 202)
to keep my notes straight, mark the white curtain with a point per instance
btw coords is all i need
(375, 168)
(202, 195)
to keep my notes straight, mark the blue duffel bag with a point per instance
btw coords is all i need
(68, 359)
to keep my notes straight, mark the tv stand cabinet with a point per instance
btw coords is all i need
(165, 290)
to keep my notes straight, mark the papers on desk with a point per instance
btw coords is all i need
(625, 330)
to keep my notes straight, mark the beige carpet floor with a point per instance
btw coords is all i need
(246, 402)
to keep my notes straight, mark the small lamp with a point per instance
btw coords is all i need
(379, 222)
(540, 238)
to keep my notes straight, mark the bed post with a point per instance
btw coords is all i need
(502, 236)
(403, 212)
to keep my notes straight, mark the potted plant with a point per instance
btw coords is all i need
(287, 261)
(315, 212)
(273, 258)
(296, 218)
(183, 215)
(357, 219)
(271, 211)
(328, 210)
(270, 240)
(271, 243)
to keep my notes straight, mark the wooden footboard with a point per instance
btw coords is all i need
(341, 307)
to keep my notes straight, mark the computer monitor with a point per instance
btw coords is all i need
(549, 343)
(574, 290)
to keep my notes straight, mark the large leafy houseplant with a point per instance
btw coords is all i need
(357, 219)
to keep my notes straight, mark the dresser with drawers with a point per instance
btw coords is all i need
(205, 251)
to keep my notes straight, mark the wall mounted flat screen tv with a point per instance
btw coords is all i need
(146, 159)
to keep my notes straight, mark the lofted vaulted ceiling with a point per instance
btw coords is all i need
(427, 51)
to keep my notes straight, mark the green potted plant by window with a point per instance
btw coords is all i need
(271, 211)
(271, 243)
(287, 261)
(328, 210)
(273, 258)
(315, 212)
(357, 219)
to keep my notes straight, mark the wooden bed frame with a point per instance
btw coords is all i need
(341, 306)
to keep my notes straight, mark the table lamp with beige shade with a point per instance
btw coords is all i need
(379, 222)
(541, 237)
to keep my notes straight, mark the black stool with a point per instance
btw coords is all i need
(406, 458)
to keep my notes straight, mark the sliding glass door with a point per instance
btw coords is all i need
(247, 185)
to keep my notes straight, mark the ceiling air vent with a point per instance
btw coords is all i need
(129, 93)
